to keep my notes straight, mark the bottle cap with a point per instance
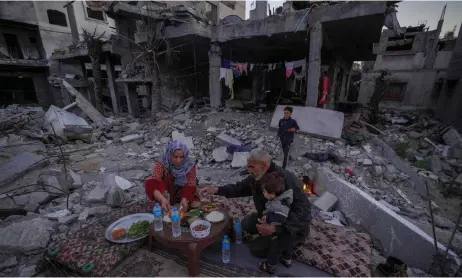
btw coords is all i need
(175, 209)
(226, 237)
(156, 204)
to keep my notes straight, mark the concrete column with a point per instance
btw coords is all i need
(90, 93)
(111, 84)
(314, 65)
(132, 99)
(72, 21)
(214, 75)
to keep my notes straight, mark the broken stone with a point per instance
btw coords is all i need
(99, 193)
(435, 165)
(122, 183)
(458, 180)
(414, 135)
(21, 200)
(76, 179)
(115, 196)
(393, 208)
(307, 167)
(56, 185)
(326, 202)
(367, 162)
(38, 197)
(8, 263)
(132, 138)
(240, 159)
(442, 222)
(451, 137)
(77, 208)
(165, 140)
(27, 237)
(377, 171)
(57, 214)
(228, 140)
(100, 210)
(27, 271)
(32, 207)
(76, 157)
(133, 174)
(68, 219)
(220, 154)
(63, 228)
(19, 165)
(83, 215)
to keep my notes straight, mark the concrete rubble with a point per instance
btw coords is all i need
(101, 175)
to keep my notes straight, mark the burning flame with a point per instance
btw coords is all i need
(308, 189)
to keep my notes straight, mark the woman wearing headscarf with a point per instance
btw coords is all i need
(175, 174)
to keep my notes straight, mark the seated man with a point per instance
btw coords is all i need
(297, 224)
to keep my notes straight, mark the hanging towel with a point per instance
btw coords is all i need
(226, 64)
(251, 67)
(230, 82)
(299, 72)
(289, 69)
(236, 72)
(244, 68)
(223, 72)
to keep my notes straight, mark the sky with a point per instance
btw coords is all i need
(410, 13)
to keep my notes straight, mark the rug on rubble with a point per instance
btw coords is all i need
(341, 251)
(163, 262)
(87, 252)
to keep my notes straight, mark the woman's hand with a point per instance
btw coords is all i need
(184, 203)
(165, 205)
(266, 229)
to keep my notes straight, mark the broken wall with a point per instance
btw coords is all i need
(396, 235)
(21, 11)
(417, 93)
(29, 50)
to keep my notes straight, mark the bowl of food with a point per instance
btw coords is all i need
(215, 217)
(200, 228)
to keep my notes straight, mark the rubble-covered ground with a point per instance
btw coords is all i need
(71, 182)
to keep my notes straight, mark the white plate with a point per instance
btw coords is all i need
(220, 217)
(167, 219)
(126, 222)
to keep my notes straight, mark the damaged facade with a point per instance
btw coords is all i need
(29, 35)
(418, 61)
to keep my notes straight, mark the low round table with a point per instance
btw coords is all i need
(189, 245)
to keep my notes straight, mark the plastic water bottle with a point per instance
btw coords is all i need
(158, 225)
(226, 250)
(176, 229)
(238, 231)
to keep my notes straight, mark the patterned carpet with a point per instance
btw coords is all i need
(337, 250)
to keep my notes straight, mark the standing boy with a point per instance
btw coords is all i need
(286, 131)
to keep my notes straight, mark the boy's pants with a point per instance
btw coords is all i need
(265, 246)
(285, 150)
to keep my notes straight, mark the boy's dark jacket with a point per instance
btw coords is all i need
(287, 137)
(298, 221)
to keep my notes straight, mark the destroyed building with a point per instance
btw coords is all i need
(30, 32)
(418, 61)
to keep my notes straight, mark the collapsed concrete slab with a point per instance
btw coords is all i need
(226, 139)
(28, 237)
(397, 236)
(66, 125)
(416, 181)
(19, 165)
(315, 121)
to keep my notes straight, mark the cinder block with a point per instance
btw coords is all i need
(326, 202)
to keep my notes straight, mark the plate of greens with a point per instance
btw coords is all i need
(130, 228)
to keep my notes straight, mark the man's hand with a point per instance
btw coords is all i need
(204, 192)
(266, 229)
(291, 129)
(184, 203)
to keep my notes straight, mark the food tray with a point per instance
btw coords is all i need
(126, 222)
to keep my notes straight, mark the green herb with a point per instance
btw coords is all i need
(139, 229)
